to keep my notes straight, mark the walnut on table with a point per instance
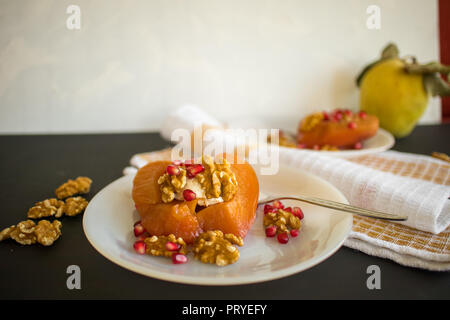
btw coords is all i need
(80, 185)
(215, 247)
(54, 207)
(74, 206)
(46, 208)
(27, 232)
(48, 232)
(156, 245)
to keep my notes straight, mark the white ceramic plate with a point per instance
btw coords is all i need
(382, 141)
(109, 218)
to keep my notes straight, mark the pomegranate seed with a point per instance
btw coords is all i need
(268, 208)
(348, 113)
(173, 170)
(138, 229)
(189, 195)
(326, 116)
(178, 258)
(139, 247)
(352, 125)
(172, 246)
(271, 231)
(283, 238)
(194, 169)
(277, 204)
(316, 147)
(288, 209)
(294, 233)
(358, 146)
(298, 213)
(362, 114)
(337, 116)
(301, 146)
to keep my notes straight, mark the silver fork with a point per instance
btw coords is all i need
(339, 206)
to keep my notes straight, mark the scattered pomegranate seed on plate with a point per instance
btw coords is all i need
(268, 208)
(277, 204)
(298, 213)
(288, 209)
(179, 258)
(271, 231)
(283, 238)
(294, 233)
(139, 247)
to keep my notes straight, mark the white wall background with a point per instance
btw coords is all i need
(132, 61)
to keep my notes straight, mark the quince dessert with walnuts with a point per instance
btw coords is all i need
(187, 198)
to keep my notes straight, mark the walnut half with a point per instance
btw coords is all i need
(215, 247)
(80, 185)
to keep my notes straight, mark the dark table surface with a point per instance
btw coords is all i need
(32, 166)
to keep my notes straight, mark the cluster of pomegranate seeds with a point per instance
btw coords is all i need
(271, 231)
(140, 233)
(192, 168)
(140, 247)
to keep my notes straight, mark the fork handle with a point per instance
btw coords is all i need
(340, 206)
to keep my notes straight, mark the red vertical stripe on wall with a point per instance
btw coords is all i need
(444, 34)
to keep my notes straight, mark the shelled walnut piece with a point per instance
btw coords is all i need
(27, 232)
(156, 245)
(215, 247)
(46, 208)
(80, 185)
(282, 220)
(57, 208)
(74, 206)
(48, 232)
